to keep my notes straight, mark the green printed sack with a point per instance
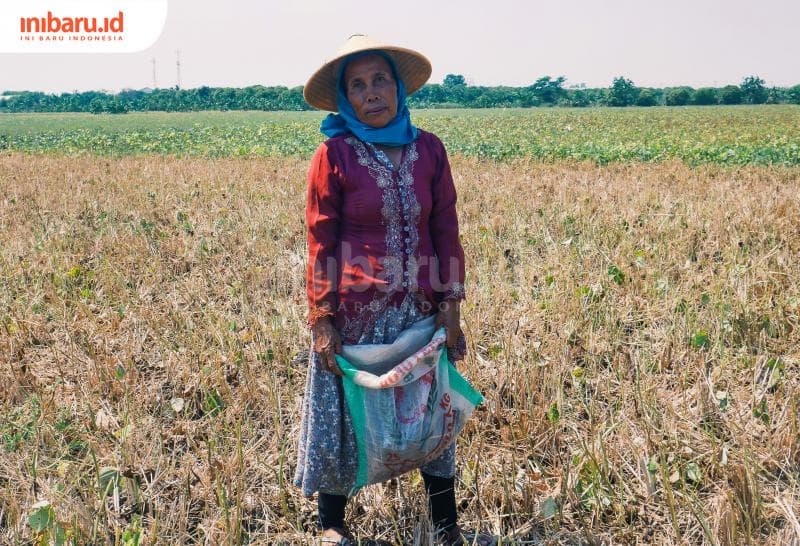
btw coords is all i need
(406, 399)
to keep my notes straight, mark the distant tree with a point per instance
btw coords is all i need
(646, 98)
(495, 97)
(577, 97)
(730, 94)
(428, 95)
(793, 94)
(753, 90)
(452, 80)
(776, 95)
(622, 92)
(679, 96)
(96, 106)
(548, 90)
(116, 106)
(706, 96)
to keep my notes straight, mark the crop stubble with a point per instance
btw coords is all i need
(633, 328)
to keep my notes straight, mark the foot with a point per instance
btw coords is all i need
(455, 537)
(336, 535)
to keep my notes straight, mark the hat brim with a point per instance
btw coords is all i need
(413, 67)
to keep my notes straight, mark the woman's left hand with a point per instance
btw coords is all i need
(449, 316)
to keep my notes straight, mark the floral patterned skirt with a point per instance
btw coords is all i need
(326, 454)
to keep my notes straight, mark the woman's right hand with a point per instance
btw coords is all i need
(327, 342)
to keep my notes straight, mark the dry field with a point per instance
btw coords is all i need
(634, 328)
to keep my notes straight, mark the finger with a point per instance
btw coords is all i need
(326, 361)
(320, 343)
(333, 366)
(318, 360)
(452, 337)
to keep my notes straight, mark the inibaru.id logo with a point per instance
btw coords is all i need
(74, 26)
(52, 23)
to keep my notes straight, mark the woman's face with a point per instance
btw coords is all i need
(371, 90)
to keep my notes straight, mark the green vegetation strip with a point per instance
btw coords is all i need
(727, 135)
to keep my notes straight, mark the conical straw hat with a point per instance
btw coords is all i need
(413, 67)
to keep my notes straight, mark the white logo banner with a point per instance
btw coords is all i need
(80, 26)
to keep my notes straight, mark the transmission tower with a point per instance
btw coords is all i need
(178, 65)
(155, 84)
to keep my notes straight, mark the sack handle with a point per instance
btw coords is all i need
(395, 376)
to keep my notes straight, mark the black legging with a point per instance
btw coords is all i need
(441, 501)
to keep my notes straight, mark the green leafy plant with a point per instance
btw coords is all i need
(700, 340)
(45, 527)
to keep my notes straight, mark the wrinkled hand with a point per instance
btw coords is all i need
(327, 342)
(449, 316)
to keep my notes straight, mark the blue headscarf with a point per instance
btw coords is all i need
(397, 132)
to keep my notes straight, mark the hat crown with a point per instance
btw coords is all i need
(357, 42)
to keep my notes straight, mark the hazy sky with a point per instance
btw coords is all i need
(495, 42)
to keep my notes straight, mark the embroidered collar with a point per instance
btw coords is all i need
(383, 158)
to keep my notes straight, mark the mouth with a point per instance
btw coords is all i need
(376, 111)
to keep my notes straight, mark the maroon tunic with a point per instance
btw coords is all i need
(379, 234)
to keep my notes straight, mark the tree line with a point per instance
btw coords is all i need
(453, 92)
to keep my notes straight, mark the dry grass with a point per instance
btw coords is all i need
(151, 337)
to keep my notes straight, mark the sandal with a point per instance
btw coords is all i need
(447, 538)
(480, 539)
(346, 539)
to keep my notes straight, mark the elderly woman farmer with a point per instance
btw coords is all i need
(384, 253)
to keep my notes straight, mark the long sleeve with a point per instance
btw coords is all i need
(444, 230)
(323, 212)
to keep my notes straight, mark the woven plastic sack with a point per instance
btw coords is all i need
(406, 399)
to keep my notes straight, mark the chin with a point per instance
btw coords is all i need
(377, 124)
